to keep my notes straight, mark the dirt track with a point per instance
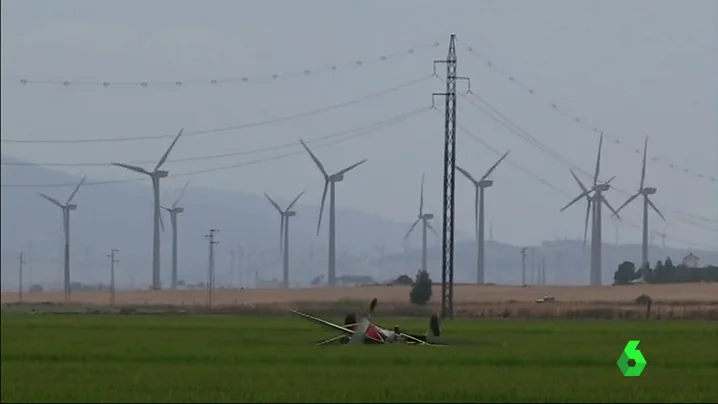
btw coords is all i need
(700, 293)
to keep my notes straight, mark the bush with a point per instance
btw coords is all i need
(421, 292)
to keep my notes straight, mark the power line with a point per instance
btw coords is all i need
(334, 139)
(525, 135)
(222, 155)
(552, 186)
(231, 80)
(235, 127)
(581, 121)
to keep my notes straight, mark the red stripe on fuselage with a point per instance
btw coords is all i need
(372, 332)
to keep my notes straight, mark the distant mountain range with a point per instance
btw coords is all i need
(119, 216)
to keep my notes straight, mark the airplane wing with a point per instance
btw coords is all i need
(324, 322)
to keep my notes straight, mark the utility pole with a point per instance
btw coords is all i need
(447, 265)
(113, 261)
(532, 278)
(523, 266)
(543, 269)
(210, 272)
(19, 278)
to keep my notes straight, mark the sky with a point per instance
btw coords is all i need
(628, 69)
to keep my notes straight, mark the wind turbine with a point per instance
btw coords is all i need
(66, 208)
(645, 191)
(174, 211)
(424, 218)
(479, 186)
(330, 182)
(284, 235)
(155, 175)
(594, 201)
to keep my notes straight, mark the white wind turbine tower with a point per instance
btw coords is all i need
(645, 191)
(330, 182)
(155, 175)
(66, 208)
(594, 201)
(284, 235)
(174, 211)
(424, 218)
(479, 186)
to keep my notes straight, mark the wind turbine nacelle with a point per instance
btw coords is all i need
(603, 187)
(649, 190)
(71, 206)
(178, 210)
(428, 216)
(161, 173)
(486, 183)
(290, 213)
(336, 178)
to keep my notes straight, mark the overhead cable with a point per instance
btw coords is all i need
(328, 140)
(231, 80)
(558, 108)
(234, 127)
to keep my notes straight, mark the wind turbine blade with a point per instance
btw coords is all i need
(432, 229)
(580, 184)
(162, 223)
(598, 161)
(493, 167)
(316, 160)
(609, 180)
(466, 174)
(585, 226)
(411, 228)
(275, 204)
(643, 170)
(421, 197)
(52, 200)
(72, 195)
(351, 167)
(295, 200)
(627, 201)
(166, 208)
(169, 149)
(321, 208)
(181, 194)
(581, 195)
(650, 202)
(133, 168)
(605, 201)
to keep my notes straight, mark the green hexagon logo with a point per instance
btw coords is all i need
(631, 362)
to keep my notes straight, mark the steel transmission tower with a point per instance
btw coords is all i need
(447, 262)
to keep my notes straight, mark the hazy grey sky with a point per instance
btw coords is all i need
(630, 68)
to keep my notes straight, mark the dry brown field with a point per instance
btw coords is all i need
(688, 300)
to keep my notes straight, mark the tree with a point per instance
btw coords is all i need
(668, 264)
(403, 280)
(625, 273)
(421, 292)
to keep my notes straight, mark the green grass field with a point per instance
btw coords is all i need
(76, 358)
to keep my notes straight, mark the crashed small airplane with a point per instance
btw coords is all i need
(366, 332)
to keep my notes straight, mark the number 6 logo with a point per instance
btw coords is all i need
(631, 362)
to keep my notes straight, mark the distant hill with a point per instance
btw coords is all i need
(566, 261)
(119, 216)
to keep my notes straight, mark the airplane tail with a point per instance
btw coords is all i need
(434, 328)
